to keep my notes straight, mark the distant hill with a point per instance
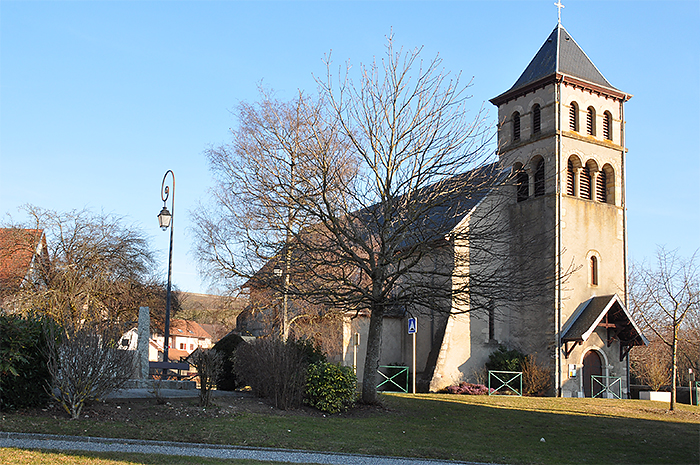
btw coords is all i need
(217, 314)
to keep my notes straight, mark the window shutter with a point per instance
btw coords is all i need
(536, 119)
(570, 178)
(522, 182)
(539, 179)
(585, 179)
(607, 126)
(601, 191)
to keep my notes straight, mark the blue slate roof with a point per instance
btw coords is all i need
(435, 210)
(590, 313)
(559, 55)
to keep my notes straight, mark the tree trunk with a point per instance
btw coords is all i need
(674, 367)
(374, 349)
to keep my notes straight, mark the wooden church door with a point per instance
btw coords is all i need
(591, 366)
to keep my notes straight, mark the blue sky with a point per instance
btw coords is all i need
(99, 98)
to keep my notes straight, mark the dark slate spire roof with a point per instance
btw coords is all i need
(559, 55)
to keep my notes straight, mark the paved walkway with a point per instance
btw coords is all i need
(80, 443)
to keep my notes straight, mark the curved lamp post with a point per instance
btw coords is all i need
(165, 220)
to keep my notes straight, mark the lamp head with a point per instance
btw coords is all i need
(164, 218)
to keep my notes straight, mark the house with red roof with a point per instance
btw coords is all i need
(23, 253)
(186, 336)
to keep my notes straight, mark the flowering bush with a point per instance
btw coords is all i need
(467, 388)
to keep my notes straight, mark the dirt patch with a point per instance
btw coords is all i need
(223, 405)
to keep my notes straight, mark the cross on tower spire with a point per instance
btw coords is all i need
(559, 7)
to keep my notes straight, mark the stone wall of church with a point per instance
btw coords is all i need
(453, 355)
(432, 318)
(397, 345)
(393, 342)
(521, 150)
(588, 227)
(488, 261)
(533, 251)
(592, 229)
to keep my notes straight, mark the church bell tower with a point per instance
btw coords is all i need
(562, 133)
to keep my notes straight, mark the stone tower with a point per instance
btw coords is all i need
(562, 132)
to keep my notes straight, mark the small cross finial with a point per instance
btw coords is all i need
(559, 7)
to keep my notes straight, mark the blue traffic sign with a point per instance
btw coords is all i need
(412, 326)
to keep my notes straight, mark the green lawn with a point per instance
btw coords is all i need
(473, 428)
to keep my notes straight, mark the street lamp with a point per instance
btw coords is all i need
(279, 272)
(165, 220)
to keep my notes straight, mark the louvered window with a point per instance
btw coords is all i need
(585, 183)
(570, 179)
(539, 178)
(536, 119)
(607, 126)
(522, 182)
(601, 187)
(590, 121)
(516, 126)
(573, 117)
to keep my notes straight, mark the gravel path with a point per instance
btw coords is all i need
(80, 443)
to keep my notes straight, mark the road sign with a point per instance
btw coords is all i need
(412, 326)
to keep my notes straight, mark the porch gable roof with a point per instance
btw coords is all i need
(606, 311)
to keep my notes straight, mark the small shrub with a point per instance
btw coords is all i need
(537, 378)
(274, 369)
(208, 363)
(330, 388)
(86, 363)
(157, 389)
(467, 388)
(24, 375)
(504, 359)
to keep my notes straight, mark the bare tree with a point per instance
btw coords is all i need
(666, 295)
(652, 364)
(85, 363)
(384, 245)
(265, 179)
(97, 268)
(383, 215)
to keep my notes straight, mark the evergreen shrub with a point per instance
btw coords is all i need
(330, 388)
(226, 380)
(24, 375)
(504, 359)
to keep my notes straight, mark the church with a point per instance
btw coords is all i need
(561, 141)
(562, 133)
